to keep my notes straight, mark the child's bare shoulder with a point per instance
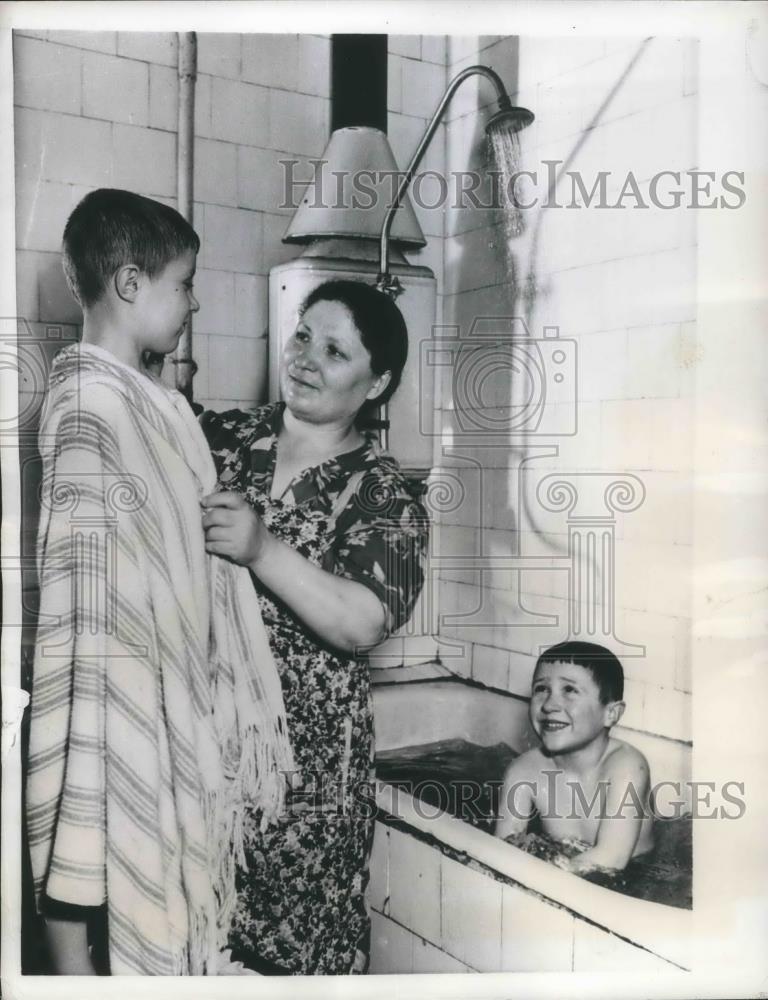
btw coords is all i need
(527, 766)
(625, 761)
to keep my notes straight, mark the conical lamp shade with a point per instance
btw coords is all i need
(351, 191)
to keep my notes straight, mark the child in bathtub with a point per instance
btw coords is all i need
(589, 789)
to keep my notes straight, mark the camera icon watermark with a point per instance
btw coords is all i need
(27, 350)
(502, 381)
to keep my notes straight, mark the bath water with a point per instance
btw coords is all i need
(464, 780)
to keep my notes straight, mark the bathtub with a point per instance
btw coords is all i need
(447, 897)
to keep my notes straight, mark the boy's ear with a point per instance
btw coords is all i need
(613, 712)
(127, 281)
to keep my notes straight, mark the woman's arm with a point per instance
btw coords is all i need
(344, 613)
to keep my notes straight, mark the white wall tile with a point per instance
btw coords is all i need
(431, 256)
(414, 885)
(653, 361)
(144, 160)
(490, 666)
(626, 429)
(672, 447)
(667, 712)
(265, 184)
(275, 251)
(150, 46)
(456, 655)
(666, 513)
(98, 41)
(203, 106)
(314, 66)
(683, 655)
(572, 299)
(603, 365)
(405, 45)
(544, 58)
(215, 291)
(216, 172)
(237, 368)
(42, 209)
(62, 141)
(200, 353)
(233, 240)
(475, 260)
(271, 60)
(634, 699)
(471, 915)
(298, 122)
(434, 49)
(428, 959)
(239, 112)
(104, 77)
(27, 266)
(394, 82)
(423, 84)
(521, 667)
(251, 305)
(461, 47)
(659, 635)
(536, 937)
(163, 98)
(391, 947)
(378, 886)
(218, 53)
(46, 76)
(597, 950)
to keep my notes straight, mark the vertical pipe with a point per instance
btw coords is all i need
(185, 167)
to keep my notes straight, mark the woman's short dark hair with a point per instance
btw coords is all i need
(381, 326)
(605, 668)
(110, 228)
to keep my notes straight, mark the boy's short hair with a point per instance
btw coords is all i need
(605, 668)
(111, 228)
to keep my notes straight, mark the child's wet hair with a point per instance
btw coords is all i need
(605, 668)
(111, 228)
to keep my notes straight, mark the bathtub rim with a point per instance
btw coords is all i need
(664, 931)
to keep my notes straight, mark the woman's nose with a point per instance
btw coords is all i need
(194, 305)
(305, 358)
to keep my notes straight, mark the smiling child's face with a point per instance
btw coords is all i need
(566, 711)
(167, 302)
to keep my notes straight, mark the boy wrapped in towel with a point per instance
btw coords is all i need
(157, 713)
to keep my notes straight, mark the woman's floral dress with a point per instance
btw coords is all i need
(301, 900)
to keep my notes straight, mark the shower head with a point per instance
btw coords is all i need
(508, 118)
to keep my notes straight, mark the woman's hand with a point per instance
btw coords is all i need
(233, 529)
(344, 613)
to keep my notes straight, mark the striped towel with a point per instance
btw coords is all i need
(157, 712)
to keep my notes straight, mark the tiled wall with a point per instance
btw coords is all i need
(619, 284)
(99, 109)
(431, 914)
